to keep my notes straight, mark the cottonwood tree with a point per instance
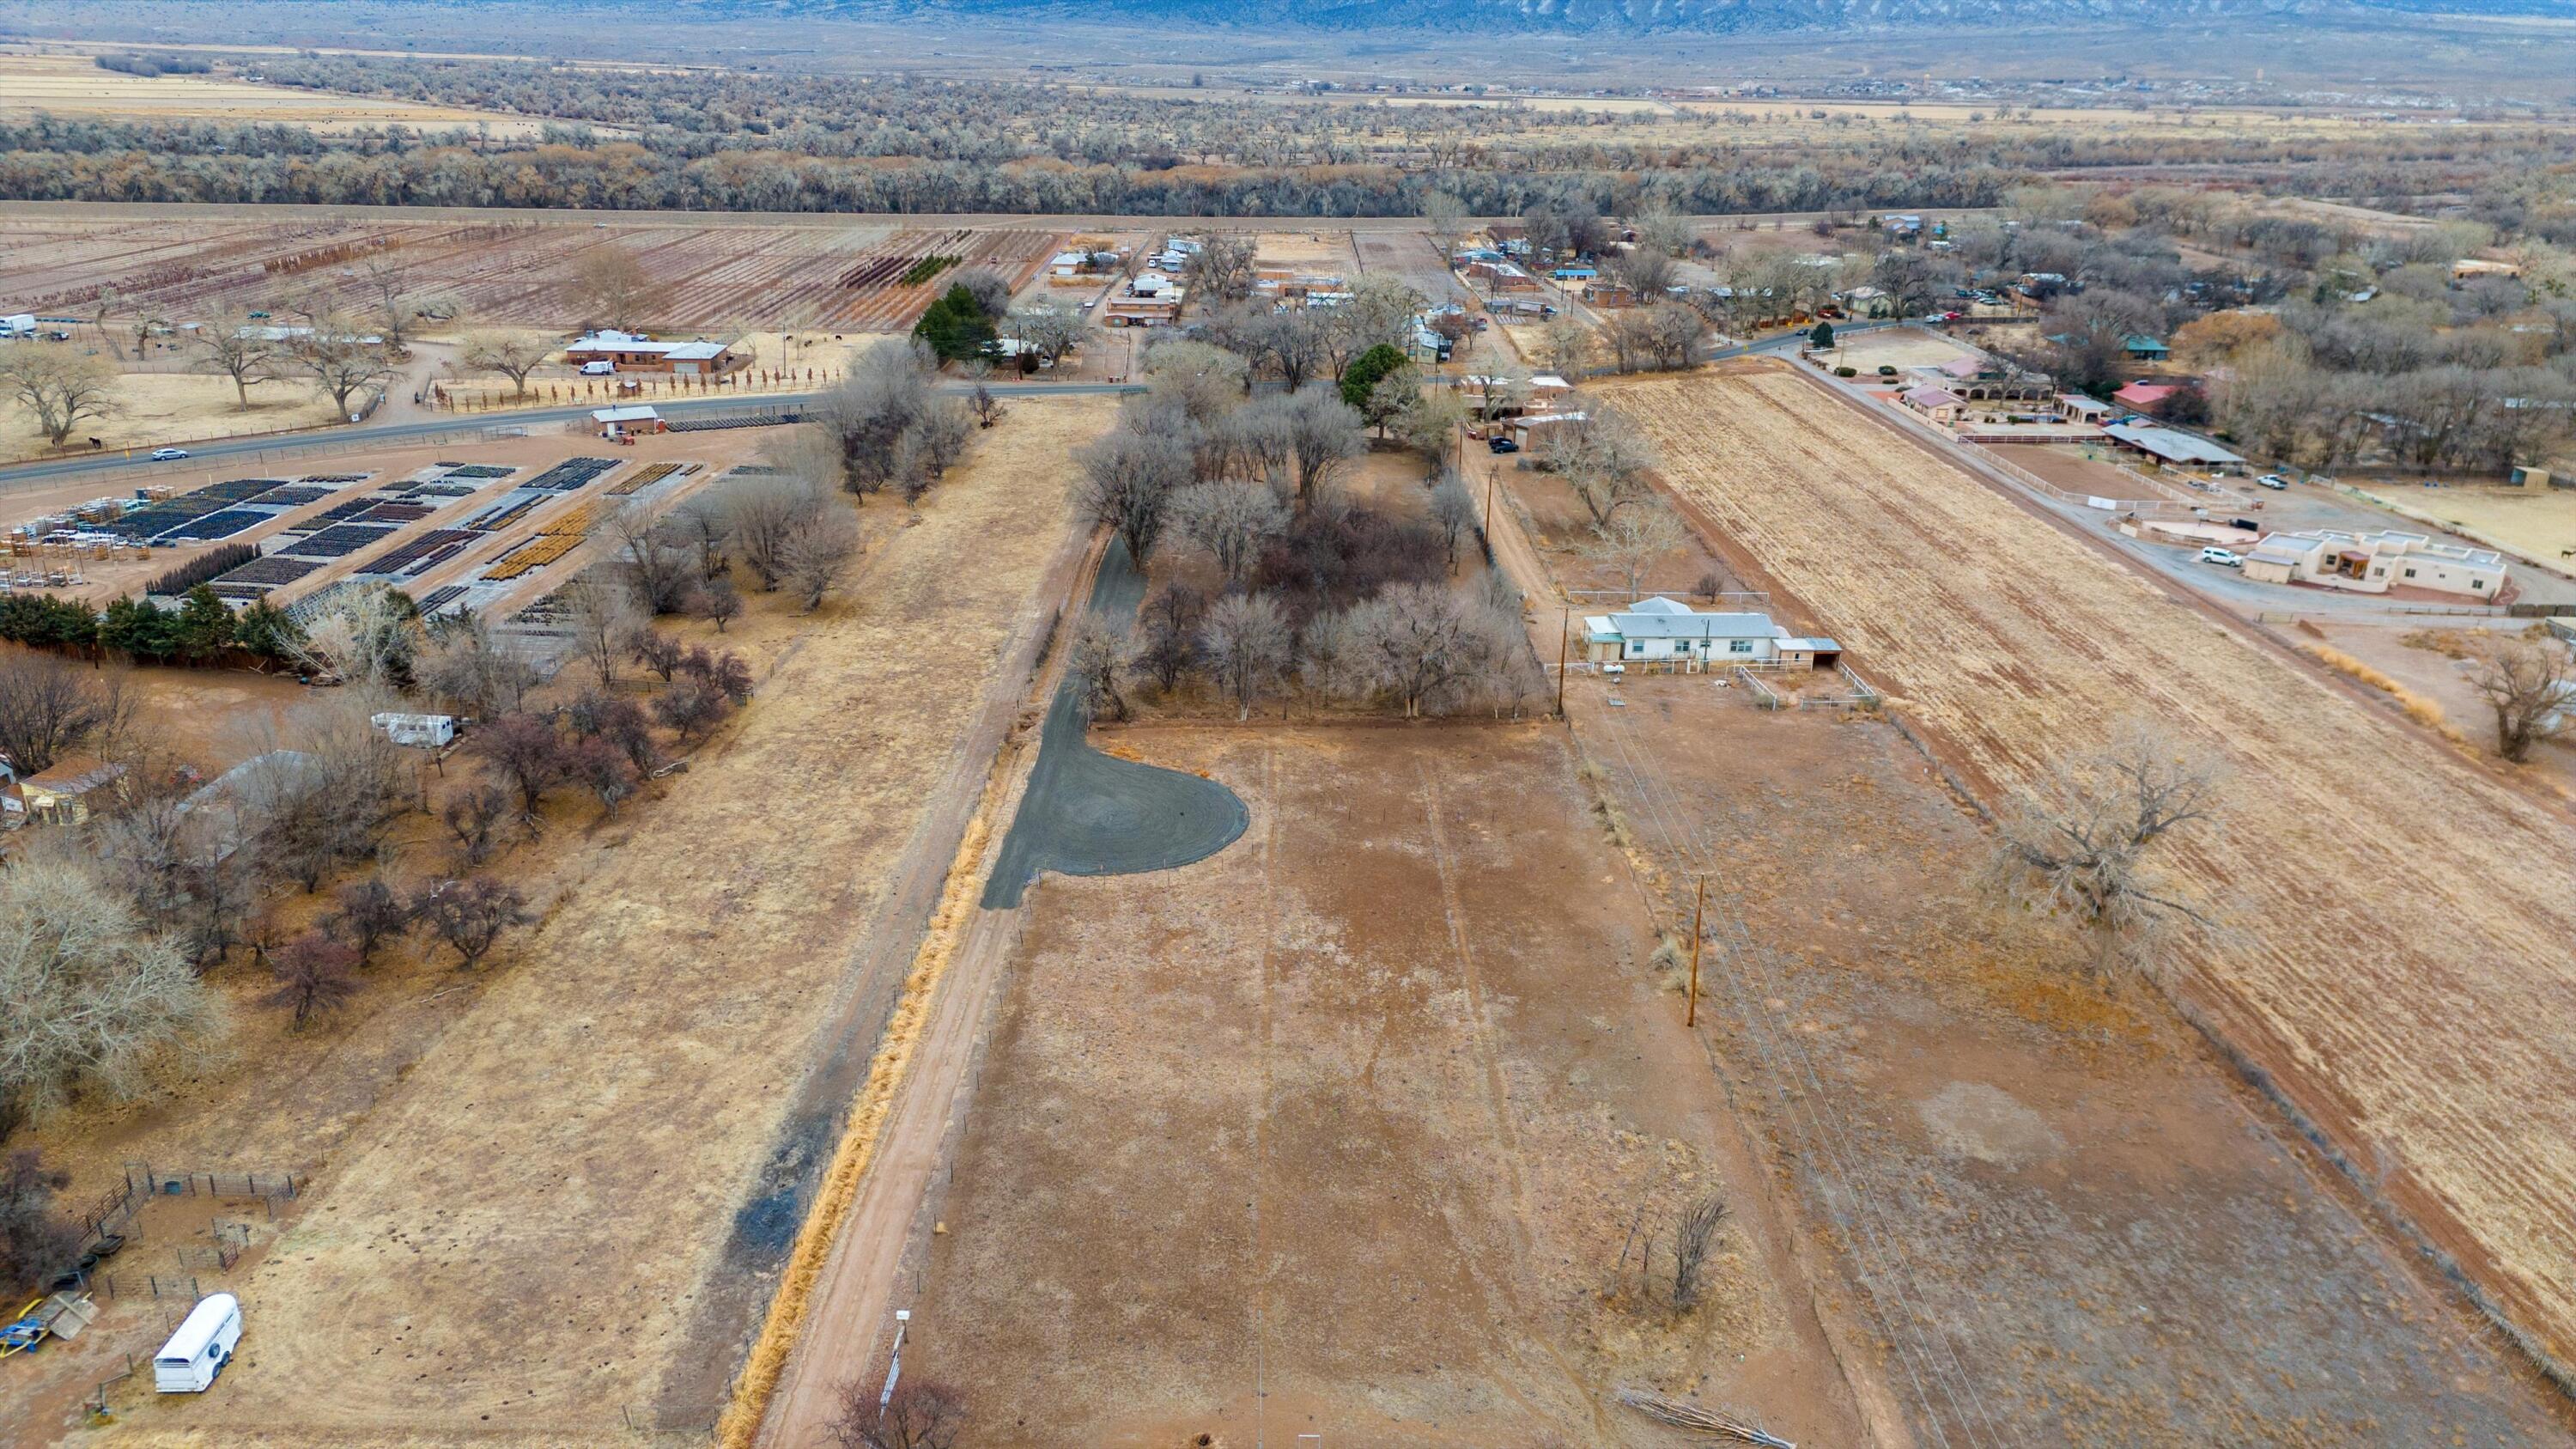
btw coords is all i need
(865, 420)
(1565, 346)
(1324, 436)
(1168, 626)
(326, 791)
(239, 351)
(93, 998)
(1095, 657)
(1414, 642)
(1604, 459)
(1633, 541)
(525, 755)
(1444, 216)
(388, 291)
(1127, 481)
(471, 915)
(2093, 841)
(341, 363)
(761, 515)
(1222, 268)
(817, 555)
(514, 355)
(1247, 645)
(1207, 381)
(1234, 522)
(1429, 423)
(49, 709)
(655, 555)
(1049, 329)
(2532, 690)
(611, 286)
(601, 613)
(1453, 512)
(59, 389)
(471, 671)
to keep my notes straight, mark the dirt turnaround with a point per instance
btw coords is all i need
(1087, 813)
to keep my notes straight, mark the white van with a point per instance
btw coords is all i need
(2224, 558)
(601, 368)
(188, 1363)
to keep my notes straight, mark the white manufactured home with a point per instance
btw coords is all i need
(1669, 634)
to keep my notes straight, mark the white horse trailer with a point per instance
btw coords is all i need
(188, 1363)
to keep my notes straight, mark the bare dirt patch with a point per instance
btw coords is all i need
(1344, 1131)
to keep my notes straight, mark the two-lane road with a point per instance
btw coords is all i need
(372, 435)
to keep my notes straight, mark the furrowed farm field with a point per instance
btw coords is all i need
(2400, 960)
(809, 277)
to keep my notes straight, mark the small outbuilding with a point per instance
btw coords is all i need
(424, 731)
(632, 418)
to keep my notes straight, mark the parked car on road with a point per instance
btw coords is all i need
(2224, 558)
(168, 455)
(1501, 444)
(2249, 525)
(2273, 481)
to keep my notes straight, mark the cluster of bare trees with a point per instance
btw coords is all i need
(885, 427)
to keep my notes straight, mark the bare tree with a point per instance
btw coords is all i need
(326, 792)
(1634, 540)
(2089, 841)
(691, 707)
(1127, 482)
(1094, 658)
(1324, 436)
(475, 816)
(654, 554)
(761, 514)
(367, 914)
(2532, 689)
(1604, 459)
(887, 393)
(58, 388)
(525, 754)
(238, 351)
(1222, 268)
(1168, 626)
(313, 975)
(341, 363)
(49, 709)
(472, 672)
(1692, 1239)
(92, 997)
(601, 613)
(1234, 522)
(471, 915)
(1444, 216)
(388, 291)
(514, 355)
(990, 289)
(1415, 642)
(818, 554)
(1050, 329)
(920, 1414)
(34, 1239)
(610, 285)
(1247, 644)
(717, 601)
(364, 637)
(1453, 512)
(1565, 347)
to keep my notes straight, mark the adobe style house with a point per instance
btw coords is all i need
(630, 352)
(2374, 563)
(1666, 635)
(1986, 380)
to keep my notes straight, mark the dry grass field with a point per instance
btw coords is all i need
(515, 1232)
(2538, 526)
(2401, 961)
(1344, 1130)
(71, 86)
(153, 408)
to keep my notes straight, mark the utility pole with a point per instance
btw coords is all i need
(1564, 630)
(1690, 1015)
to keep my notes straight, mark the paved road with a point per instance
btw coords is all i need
(391, 434)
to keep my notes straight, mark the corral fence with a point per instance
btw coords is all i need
(1855, 693)
(268, 1187)
(2142, 507)
(122, 1286)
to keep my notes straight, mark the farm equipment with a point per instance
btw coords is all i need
(58, 1315)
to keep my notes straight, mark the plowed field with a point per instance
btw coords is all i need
(2406, 952)
(705, 277)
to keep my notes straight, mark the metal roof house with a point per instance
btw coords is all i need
(1667, 633)
(2173, 447)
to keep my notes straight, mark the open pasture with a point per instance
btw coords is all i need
(713, 277)
(2404, 984)
(73, 87)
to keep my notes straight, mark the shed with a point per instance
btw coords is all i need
(632, 418)
(2173, 447)
(61, 793)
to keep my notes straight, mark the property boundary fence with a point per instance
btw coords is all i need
(149, 1285)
